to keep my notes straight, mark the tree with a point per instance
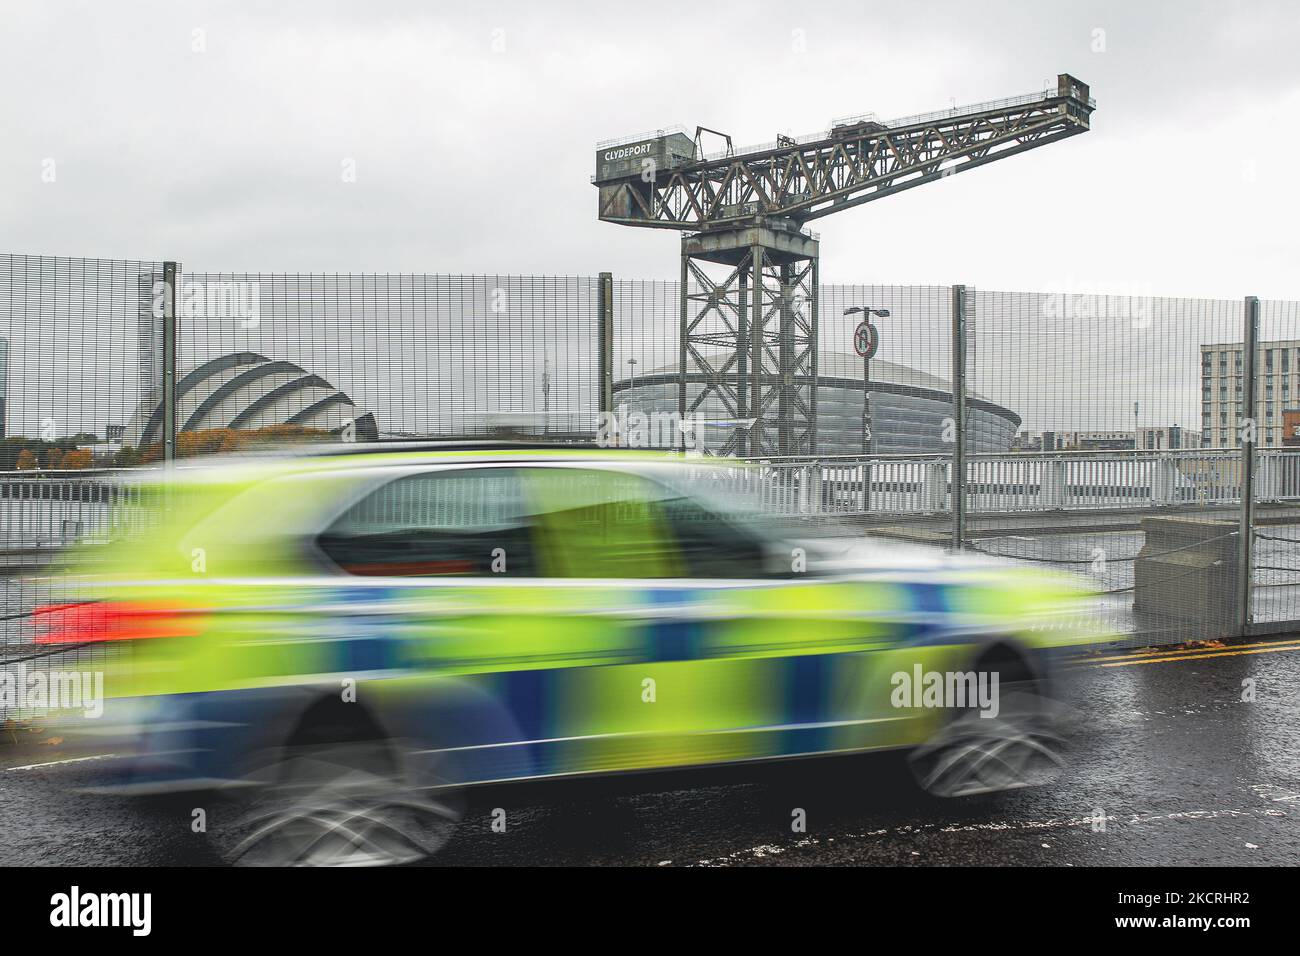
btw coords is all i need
(79, 458)
(126, 457)
(26, 460)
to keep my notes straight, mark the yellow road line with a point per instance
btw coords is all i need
(1199, 657)
(1147, 654)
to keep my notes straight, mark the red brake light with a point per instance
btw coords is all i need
(113, 621)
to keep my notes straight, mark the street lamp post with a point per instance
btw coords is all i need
(866, 349)
(631, 388)
(546, 396)
(1137, 443)
(866, 340)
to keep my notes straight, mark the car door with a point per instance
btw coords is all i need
(604, 539)
(730, 652)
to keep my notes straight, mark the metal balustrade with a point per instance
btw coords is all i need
(1012, 482)
(52, 508)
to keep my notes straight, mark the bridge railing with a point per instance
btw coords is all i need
(1019, 482)
(50, 509)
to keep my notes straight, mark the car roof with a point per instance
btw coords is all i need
(343, 456)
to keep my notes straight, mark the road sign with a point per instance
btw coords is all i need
(866, 339)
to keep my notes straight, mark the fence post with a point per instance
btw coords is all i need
(959, 416)
(171, 275)
(605, 341)
(1245, 534)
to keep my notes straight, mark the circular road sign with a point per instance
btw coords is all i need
(866, 339)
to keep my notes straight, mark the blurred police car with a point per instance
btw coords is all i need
(343, 641)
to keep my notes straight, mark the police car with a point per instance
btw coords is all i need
(342, 642)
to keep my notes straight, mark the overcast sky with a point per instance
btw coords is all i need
(216, 134)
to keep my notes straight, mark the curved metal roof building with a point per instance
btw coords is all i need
(908, 407)
(245, 390)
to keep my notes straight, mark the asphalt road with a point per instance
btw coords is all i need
(1183, 771)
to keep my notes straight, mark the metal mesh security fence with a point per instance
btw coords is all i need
(387, 356)
(1113, 475)
(1103, 435)
(80, 351)
(645, 337)
(884, 389)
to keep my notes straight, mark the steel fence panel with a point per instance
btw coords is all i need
(81, 352)
(1117, 474)
(396, 356)
(1102, 433)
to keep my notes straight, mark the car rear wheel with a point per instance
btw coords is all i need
(974, 754)
(339, 804)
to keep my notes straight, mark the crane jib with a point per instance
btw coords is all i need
(662, 182)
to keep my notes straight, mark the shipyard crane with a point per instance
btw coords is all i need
(748, 265)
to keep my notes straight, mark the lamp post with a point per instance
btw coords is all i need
(866, 340)
(546, 396)
(1137, 442)
(631, 388)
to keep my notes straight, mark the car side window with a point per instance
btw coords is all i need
(612, 524)
(711, 546)
(454, 522)
(596, 523)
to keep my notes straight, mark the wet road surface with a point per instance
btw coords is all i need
(1169, 766)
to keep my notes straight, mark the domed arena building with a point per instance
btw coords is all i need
(245, 391)
(908, 407)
